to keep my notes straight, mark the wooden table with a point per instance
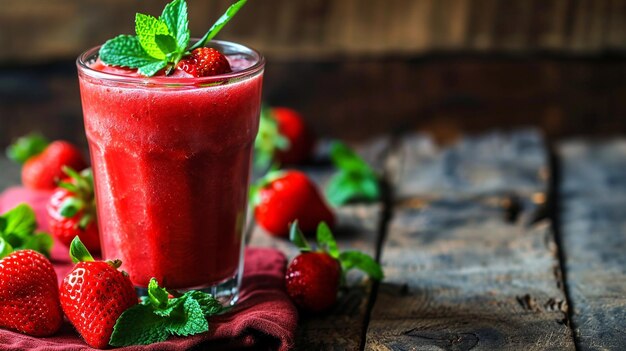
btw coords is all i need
(497, 242)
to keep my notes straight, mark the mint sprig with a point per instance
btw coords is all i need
(354, 180)
(159, 42)
(26, 147)
(18, 232)
(326, 243)
(158, 317)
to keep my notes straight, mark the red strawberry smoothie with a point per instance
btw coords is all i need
(171, 160)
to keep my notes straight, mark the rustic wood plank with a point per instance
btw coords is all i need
(460, 272)
(357, 228)
(593, 234)
(512, 163)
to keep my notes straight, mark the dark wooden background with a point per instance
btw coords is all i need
(356, 68)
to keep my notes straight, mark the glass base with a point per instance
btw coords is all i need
(226, 291)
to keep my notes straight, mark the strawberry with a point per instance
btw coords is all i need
(29, 299)
(301, 142)
(313, 277)
(283, 197)
(43, 162)
(72, 210)
(94, 294)
(205, 62)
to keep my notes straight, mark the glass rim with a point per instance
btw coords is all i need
(256, 67)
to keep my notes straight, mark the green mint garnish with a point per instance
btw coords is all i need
(159, 42)
(18, 232)
(354, 180)
(27, 147)
(221, 22)
(78, 251)
(348, 259)
(158, 317)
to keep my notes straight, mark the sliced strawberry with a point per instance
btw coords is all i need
(205, 62)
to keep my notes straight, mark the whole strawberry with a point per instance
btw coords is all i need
(284, 197)
(94, 294)
(205, 62)
(29, 298)
(313, 277)
(283, 138)
(43, 162)
(72, 210)
(291, 125)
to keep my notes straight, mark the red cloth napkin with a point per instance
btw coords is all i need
(264, 317)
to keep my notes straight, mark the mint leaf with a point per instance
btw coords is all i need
(3, 224)
(175, 17)
(78, 251)
(344, 187)
(166, 43)
(125, 51)
(326, 240)
(347, 160)
(355, 179)
(41, 242)
(297, 238)
(189, 321)
(361, 261)
(210, 305)
(27, 147)
(158, 296)
(147, 28)
(20, 221)
(152, 68)
(221, 22)
(138, 325)
(5, 248)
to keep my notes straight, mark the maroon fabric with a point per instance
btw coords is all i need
(264, 317)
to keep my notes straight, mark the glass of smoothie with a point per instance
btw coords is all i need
(171, 160)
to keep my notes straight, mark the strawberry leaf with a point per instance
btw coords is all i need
(78, 251)
(221, 22)
(268, 140)
(361, 261)
(175, 17)
(27, 147)
(125, 51)
(326, 240)
(70, 206)
(297, 238)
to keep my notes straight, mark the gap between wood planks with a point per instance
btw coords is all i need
(553, 213)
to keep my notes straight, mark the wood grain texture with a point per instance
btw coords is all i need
(461, 273)
(493, 164)
(593, 235)
(357, 228)
(36, 31)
